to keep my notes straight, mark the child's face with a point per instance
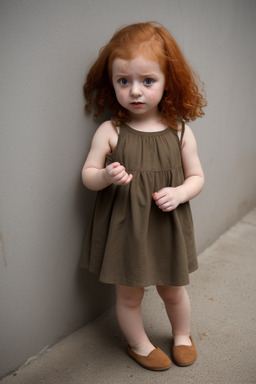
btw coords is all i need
(139, 85)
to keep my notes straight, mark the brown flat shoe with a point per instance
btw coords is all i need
(157, 360)
(184, 355)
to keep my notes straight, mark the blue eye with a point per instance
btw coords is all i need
(123, 81)
(148, 81)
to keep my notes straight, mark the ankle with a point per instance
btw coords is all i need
(143, 348)
(182, 340)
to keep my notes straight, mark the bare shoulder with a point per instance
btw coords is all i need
(102, 143)
(106, 133)
(105, 128)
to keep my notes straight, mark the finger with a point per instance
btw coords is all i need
(114, 168)
(129, 179)
(158, 195)
(126, 179)
(111, 167)
(163, 205)
(161, 201)
(169, 209)
(120, 176)
(118, 171)
(115, 164)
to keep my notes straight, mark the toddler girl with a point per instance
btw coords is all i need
(145, 165)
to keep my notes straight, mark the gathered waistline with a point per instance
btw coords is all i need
(140, 170)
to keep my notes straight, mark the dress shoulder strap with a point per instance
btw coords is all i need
(182, 132)
(116, 127)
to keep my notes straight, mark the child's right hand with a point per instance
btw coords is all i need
(117, 174)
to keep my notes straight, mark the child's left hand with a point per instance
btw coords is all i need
(167, 199)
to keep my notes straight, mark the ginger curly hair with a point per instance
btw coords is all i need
(183, 97)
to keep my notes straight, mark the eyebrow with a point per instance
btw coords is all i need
(149, 74)
(121, 74)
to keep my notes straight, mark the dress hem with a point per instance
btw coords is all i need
(139, 285)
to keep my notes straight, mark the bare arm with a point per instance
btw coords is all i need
(168, 198)
(94, 174)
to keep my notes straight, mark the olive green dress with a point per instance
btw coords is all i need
(130, 241)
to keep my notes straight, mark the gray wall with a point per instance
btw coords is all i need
(46, 48)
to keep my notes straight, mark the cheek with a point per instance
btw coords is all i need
(121, 95)
(156, 97)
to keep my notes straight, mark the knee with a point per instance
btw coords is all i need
(171, 295)
(129, 296)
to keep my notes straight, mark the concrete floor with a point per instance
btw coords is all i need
(223, 299)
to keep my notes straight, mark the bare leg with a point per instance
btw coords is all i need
(128, 309)
(177, 306)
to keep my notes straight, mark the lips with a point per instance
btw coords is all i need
(137, 103)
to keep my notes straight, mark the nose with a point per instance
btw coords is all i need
(136, 90)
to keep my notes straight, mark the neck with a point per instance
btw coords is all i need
(150, 118)
(149, 125)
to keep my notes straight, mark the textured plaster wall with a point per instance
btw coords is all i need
(46, 48)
